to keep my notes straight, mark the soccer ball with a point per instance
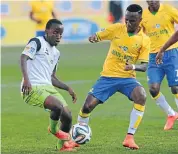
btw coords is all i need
(81, 133)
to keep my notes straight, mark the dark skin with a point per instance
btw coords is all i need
(53, 36)
(154, 88)
(138, 94)
(153, 6)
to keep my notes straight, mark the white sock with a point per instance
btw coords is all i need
(83, 120)
(83, 117)
(176, 99)
(135, 119)
(162, 103)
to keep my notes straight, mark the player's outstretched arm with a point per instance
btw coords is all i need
(59, 84)
(171, 41)
(26, 87)
(139, 67)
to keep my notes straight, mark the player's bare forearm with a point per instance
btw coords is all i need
(33, 18)
(59, 84)
(138, 67)
(141, 67)
(171, 41)
(54, 15)
(23, 62)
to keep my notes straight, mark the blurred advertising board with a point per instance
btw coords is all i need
(80, 19)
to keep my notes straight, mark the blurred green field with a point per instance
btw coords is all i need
(24, 128)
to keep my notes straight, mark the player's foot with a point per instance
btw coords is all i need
(170, 121)
(74, 144)
(130, 143)
(65, 146)
(63, 149)
(61, 135)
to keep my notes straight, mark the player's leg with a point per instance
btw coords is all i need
(171, 69)
(66, 123)
(101, 91)
(156, 74)
(135, 92)
(41, 96)
(174, 90)
(90, 103)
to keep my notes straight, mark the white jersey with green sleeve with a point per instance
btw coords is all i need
(42, 62)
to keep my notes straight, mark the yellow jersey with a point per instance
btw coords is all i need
(42, 11)
(123, 48)
(160, 26)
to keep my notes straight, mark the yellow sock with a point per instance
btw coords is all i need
(83, 117)
(135, 118)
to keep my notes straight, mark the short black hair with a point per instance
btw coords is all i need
(52, 21)
(135, 8)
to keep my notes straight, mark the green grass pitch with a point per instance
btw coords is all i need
(24, 128)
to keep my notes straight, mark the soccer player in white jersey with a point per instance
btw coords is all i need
(38, 65)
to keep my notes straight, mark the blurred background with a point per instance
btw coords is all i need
(80, 18)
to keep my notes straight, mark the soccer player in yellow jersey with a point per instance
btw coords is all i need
(158, 23)
(128, 45)
(41, 12)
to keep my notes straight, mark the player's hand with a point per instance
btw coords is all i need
(38, 21)
(72, 93)
(128, 66)
(159, 57)
(93, 39)
(26, 87)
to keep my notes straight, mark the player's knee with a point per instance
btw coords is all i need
(58, 110)
(87, 108)
(90, 103)
(66, 117)
(141, 99)
(154, 90)
(174, 90)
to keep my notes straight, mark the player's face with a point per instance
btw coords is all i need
(154, 5)
(132, 21)
(54, 34)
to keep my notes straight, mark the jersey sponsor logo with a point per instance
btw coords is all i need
(29, 49)
(157, 26)
(78, 29)
(122, 57)
(157, 33)
(123, 48)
